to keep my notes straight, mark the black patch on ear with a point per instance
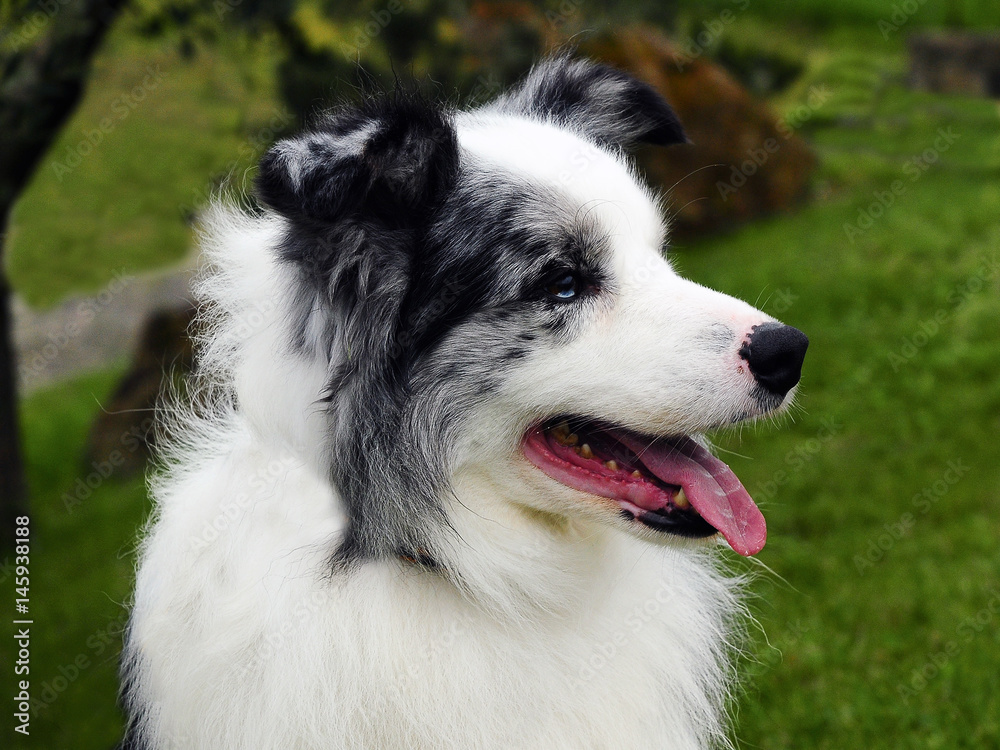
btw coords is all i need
(664, 127)
(597, 101)
(387, 159)
(361, 190)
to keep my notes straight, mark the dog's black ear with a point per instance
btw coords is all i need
(389, 158)
(595, 100)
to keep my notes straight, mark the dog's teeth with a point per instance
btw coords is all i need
(562, 434)
(681, 500)
(637, 474)
(585, 451)
(613, 465)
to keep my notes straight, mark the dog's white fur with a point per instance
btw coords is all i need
(563, 631)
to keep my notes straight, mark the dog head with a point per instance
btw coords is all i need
(489, 295)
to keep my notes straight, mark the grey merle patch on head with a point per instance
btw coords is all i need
(424, 276)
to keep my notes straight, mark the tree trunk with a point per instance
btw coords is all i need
(40, 87)
(13, 495)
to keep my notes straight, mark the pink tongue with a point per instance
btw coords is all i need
(709, 484)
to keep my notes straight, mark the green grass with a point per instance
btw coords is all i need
(848, 622)
(81, 572)
(915, 13)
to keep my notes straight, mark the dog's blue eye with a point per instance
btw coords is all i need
(565, 287)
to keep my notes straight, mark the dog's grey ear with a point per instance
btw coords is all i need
(597, 101)
(390, 158)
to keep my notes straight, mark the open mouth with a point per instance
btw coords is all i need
(672, 485)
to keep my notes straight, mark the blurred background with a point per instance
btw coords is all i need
(844, 177)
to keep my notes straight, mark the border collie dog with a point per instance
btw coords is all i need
(444, 483)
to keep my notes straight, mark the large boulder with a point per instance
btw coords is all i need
(743, 161)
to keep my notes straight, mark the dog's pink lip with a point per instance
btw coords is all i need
(591, 475)
(664, 467)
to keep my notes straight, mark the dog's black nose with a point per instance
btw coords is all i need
(775, 353)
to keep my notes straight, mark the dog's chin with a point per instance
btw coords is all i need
(660, 488)
(763, 404)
